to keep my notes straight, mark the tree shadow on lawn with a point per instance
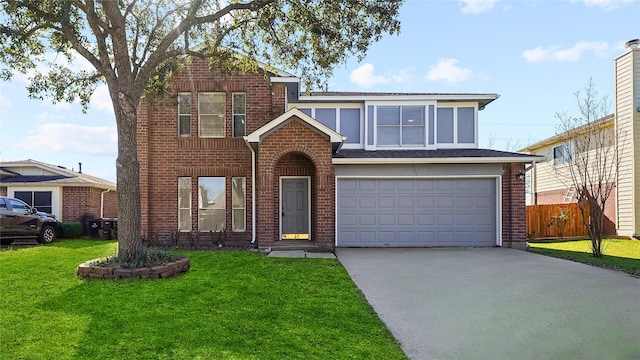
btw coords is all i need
(627, 265)
(211, 312)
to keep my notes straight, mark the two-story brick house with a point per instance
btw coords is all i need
(249, 154)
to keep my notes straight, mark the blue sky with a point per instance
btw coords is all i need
(535, 54)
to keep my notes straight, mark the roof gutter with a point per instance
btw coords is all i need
(460, 160)
(253, 190)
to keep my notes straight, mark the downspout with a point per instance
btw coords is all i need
(102, 202)
(253, 192)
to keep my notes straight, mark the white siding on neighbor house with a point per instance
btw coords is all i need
(626, 115)
(636, 138)
(548, 176)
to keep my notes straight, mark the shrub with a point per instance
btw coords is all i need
(71, 229)
(152, 257)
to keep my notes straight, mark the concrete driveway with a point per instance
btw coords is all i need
(498, 303)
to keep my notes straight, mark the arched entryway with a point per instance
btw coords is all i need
(295, 184)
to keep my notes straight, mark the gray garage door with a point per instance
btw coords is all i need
(416, 212)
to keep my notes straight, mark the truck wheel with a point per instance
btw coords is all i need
(47, 235)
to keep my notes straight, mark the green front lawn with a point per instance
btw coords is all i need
(623, 255)
(230, 305)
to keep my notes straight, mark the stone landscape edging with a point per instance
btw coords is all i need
(90, 270)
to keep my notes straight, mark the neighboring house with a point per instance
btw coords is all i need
(549, 182)
(67, 194)
(248, 154)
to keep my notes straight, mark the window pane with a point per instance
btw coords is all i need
(431, 124)
(466, 125)
(184, 219)
(239, 220)
(211, 199)
(238, 192)
(239, 114)
(388, 135)
(370, 125)
(327, 117)
(42, 201)
(306, 111)
(211, 111)
(211, 193)
(184, 203)
(184, 125)
(184, 103)
(238, 125)
(413, 135)
(211, 220)
(445, 125)
(212, 125)
(26, 196)
(413, 115)
(388, 115)
(350, 125)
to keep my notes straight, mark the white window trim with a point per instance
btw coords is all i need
(224, 116)
(338, 107)
(375, 105)
(566, 146)
(456, 144)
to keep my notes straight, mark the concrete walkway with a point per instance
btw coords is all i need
(498, 304)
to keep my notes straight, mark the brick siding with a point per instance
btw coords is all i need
(514, 210)
(81, 201)
(164, 156)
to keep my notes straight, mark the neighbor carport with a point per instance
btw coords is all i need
(498, 303)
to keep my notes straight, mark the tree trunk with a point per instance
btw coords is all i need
(130, 246)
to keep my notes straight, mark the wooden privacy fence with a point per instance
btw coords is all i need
(547, 221)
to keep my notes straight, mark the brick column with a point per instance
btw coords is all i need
(514, 231)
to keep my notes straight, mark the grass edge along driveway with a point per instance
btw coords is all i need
(230, 305)
(619, 254)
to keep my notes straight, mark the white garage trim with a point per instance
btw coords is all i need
(498, 196)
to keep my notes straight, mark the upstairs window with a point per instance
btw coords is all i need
(562, 154)
(456, 126)
(239, 114)
(211, 114)
(184, 114)
(401, 126)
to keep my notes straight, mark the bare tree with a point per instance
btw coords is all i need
(135, 45)
(588, 160)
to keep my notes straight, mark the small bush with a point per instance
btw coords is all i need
(152, 257)
(71, 229)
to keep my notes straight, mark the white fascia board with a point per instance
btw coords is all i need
(430, 97)
(284, 79)
(460, 160)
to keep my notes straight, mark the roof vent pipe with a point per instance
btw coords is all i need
(632, 44)
(80, 167)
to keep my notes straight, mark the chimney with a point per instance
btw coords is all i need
(80, 167)
(632, 44)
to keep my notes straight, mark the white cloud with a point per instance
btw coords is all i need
(572, 54)
(449, 71)
(72, 138)
(364, 76)
(605, 4)
(477, 6)
(5, 104)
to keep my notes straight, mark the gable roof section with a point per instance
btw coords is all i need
(562, 137)
(56, 175)
(275, 124)
(440, 156)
